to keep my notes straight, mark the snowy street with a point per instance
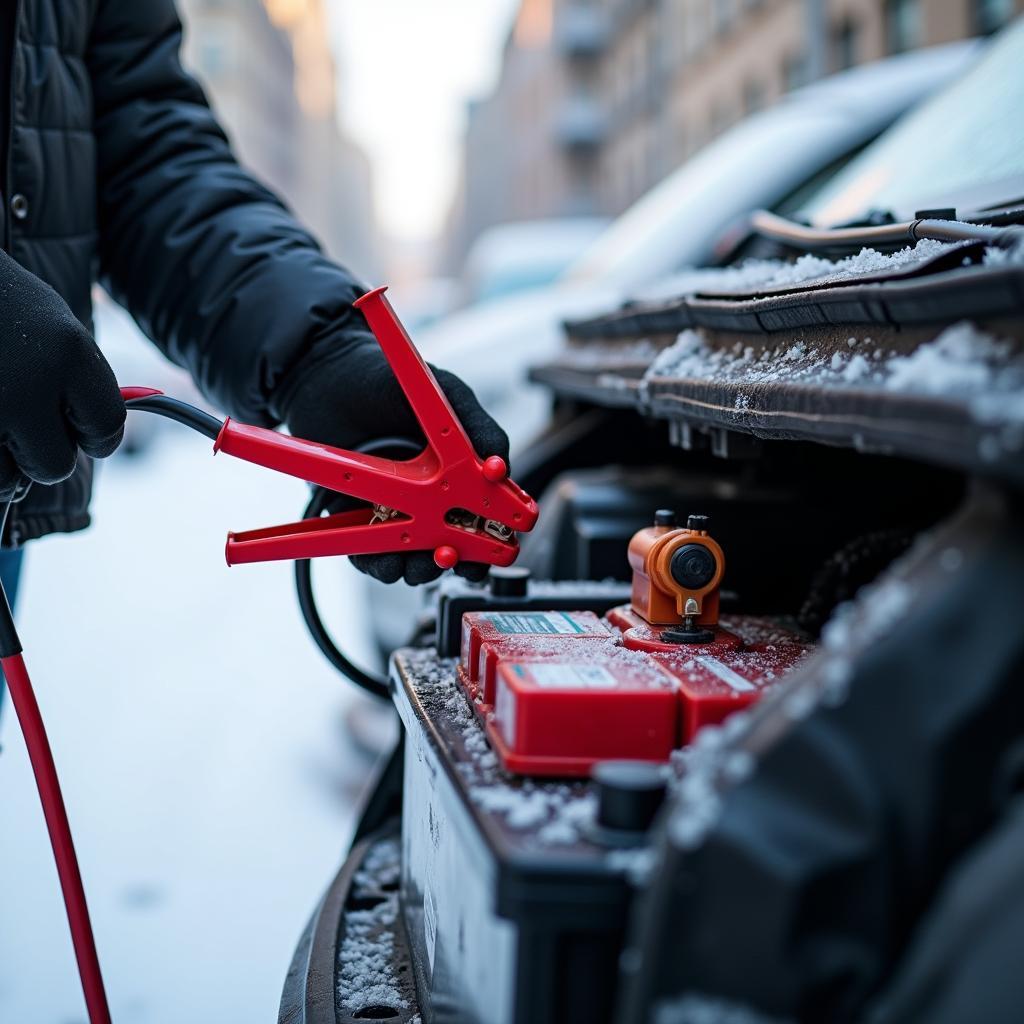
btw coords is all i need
(200, 742)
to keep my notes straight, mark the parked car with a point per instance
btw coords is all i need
(518, 257)
(768, 160)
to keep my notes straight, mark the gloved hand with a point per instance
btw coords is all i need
(57, 393)
(347, 396)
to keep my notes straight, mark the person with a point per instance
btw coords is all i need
(116, 169)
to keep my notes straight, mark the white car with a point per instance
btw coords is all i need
(511, 258)
(768, 160)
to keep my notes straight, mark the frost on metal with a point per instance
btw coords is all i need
(962, 363)
(381, 866)
(717, 760)
(550, 814)
(759, 276)
(366, 975)
(695, 1008)
(455, 585)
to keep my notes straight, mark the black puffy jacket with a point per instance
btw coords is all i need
(118, 171)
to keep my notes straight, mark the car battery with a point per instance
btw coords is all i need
(514, 899)
(489, 637)
(746, 655)
(558, 692)
(518, 874)
(562, 713)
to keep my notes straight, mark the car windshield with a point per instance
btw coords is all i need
(963, 149)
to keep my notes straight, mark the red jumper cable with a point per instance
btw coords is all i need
(12, 663)
(447, 500)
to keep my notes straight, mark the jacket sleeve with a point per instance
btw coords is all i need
(209, 262)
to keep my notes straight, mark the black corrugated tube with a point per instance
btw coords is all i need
(802, 236)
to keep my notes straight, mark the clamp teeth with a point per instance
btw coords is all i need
(466, 520)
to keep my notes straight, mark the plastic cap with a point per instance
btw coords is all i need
(495, 469)
(698, 522)
(693, 566)
(665, 517)
(446, 557)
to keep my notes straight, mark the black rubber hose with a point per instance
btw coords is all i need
(372, 682)
(204, 423)
(182, 412)
(801, 236)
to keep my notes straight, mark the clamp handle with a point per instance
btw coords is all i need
(441, 426)
(428, 498)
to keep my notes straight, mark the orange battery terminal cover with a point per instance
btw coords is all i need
(660, 557)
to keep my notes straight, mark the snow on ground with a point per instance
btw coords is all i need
(198, 736)
(694, 1008)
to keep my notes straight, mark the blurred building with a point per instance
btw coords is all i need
(598, 100)
(532, 147)
(270, 75)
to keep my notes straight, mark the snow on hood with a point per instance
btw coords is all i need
(756, 276)
(963, 362)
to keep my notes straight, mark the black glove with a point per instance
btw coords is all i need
(57, 393)
(348, 396)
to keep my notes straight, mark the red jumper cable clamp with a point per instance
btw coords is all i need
(447, 499)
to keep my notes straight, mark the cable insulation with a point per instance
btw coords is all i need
(180, 412)
(41, 757)
(803, 236)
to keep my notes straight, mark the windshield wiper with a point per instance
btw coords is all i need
(811, 239)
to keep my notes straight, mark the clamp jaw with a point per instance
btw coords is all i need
(447, 499)
(676, 577)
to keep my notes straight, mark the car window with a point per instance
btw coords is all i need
(963, 149)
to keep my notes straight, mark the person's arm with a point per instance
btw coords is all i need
(220, 275)
(207, 260)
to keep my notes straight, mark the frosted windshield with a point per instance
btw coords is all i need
(963, 149)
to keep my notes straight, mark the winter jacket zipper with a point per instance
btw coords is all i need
(12, 72)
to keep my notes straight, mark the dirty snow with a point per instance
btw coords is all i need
(365, 975)
(637, 863)
(365, 972)
(1011, 256)
(961, 359)
(381, 866)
